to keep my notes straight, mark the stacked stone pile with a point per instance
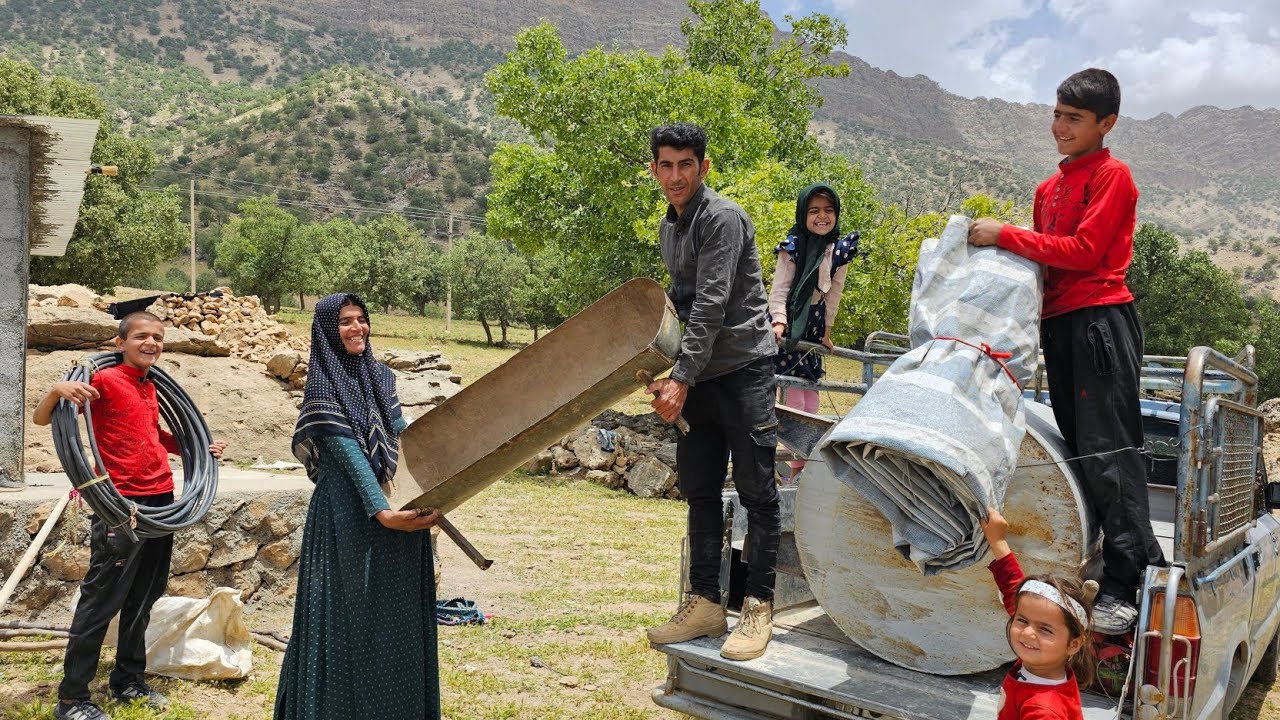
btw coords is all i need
(240, 323)
(636, 453)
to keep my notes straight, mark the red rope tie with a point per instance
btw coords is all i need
(999, 356)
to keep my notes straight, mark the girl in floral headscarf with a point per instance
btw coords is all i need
(812, 264)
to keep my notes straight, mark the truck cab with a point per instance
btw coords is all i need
(1207, 623)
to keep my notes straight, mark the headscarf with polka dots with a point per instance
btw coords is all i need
(347, 395)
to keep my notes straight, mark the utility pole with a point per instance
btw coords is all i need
(191, 191)
(448, 286)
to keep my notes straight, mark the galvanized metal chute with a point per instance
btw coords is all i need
(504, 418)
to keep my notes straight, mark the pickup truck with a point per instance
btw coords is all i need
(1207, 622)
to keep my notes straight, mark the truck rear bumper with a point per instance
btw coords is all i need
(812, 672)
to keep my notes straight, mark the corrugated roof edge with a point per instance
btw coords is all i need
(60, 153)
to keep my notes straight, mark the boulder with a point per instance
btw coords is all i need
(650, 477)
(283, 363)
(188, 342)
(191, 552)
(69, 295)
(563, 459)
(281, 553)
(69, 328)
(230, 548)
(430, 387)
(1270, 415)
(540, 464)
(590, 454)
(67, 562)
(607, 478)
(667, 454)
(409, 361)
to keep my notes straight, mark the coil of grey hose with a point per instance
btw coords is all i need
(88, 475)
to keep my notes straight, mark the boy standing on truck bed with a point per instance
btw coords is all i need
(1090, 331)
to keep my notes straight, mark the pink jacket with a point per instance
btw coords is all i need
(830, 286)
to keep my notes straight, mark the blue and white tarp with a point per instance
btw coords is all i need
(935, 441)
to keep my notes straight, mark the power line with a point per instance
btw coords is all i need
(442, 213)
(314, 205)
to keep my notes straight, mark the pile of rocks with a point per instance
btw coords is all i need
(632, 452)
(239, 322)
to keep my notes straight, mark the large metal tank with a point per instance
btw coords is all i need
(951, 623)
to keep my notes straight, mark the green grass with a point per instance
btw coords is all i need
(581, 571)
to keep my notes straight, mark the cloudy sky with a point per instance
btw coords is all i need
(1170, 55)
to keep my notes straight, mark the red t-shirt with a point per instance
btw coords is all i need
(1020, 699)
(1084, 220)
(126, 424)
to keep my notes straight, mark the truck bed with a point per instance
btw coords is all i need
(812, 665)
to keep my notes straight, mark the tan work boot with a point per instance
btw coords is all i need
(752, 633)
(696, 617)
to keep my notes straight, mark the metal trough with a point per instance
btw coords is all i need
(531, 401)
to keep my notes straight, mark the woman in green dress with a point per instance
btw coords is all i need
(364, 624)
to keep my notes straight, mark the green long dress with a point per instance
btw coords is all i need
(364, 623)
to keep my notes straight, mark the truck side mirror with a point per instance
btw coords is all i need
(1273, 496)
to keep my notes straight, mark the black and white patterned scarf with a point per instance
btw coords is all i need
(346, 395)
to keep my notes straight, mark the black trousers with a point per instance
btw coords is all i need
(731, 415)
(123, 577)
(1093, 358)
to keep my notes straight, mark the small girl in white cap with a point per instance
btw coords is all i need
(1049, 632)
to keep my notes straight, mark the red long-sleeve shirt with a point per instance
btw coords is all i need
(1083, 231)
(1020, 699)
(126, 424)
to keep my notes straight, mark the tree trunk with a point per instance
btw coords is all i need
(302, 301)
(422, 308)
(504, 325)
(488, 334)
(535, 333)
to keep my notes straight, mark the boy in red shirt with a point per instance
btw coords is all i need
(1090, 332)
(123, 577)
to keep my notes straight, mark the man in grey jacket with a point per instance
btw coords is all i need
(724, 384)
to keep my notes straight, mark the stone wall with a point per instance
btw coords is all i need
(250, 541)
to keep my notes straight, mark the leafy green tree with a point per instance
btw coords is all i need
(329, 247)
(735, 35)
(482, 270)
(262, 252)
(538, 292)
(122, 230)
(431, 280)
(383, 262)
(582, 185)
(1183, 298)
(1265, 338)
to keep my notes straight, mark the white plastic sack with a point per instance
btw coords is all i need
(935, 440)
(197, 638)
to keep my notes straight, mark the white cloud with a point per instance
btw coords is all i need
(1169, 55)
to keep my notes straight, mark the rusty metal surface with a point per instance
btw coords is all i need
(950, 623)
(525, 405)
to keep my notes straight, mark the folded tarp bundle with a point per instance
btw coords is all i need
(935, 441)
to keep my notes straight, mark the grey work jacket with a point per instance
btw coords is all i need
(710, 252)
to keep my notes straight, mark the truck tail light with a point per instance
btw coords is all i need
(1186, 646)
